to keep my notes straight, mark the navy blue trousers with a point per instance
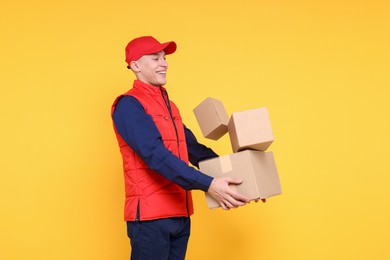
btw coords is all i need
(161, 239)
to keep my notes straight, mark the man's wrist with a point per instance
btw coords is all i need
(204, 182)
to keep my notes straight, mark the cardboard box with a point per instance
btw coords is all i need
(250, 129)
(257, 170)
(212, 118)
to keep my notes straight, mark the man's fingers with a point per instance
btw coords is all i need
(226, 205)
(234, 181)
(230, 203)
(234, 202)
(235, 195)
(223, 206)
(238, 197)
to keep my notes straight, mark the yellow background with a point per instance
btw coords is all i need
(320, 67)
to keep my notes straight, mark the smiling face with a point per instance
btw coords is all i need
(151, 69)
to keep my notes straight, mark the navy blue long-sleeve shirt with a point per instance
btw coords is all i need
(140, 132)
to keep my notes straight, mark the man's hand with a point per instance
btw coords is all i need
(226, 197)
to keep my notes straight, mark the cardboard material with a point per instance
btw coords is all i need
(250, 129)
(212, 118)
(257, 170)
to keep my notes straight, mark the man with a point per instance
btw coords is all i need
(156, 148)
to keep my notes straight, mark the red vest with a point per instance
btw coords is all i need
(154, 196)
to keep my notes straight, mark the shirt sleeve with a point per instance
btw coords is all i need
(140, 132)
(197, 152)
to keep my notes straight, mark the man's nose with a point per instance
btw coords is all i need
(164, 63)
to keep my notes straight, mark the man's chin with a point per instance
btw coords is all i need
(159, 83)
(162, 82)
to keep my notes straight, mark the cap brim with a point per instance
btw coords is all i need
(168, 48)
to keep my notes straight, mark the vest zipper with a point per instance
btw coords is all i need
(168, 104)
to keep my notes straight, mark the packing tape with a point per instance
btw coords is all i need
(226, 163)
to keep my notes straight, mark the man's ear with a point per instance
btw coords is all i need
(134, 66)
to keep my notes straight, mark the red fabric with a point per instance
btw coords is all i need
(157, 196)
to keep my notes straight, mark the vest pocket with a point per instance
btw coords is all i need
(165, 126)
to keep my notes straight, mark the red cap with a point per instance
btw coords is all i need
(138, 47)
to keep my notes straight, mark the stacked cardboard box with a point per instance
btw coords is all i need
(250, 135)
(212, 118)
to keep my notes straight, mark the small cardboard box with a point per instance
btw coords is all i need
(250, 129)
(257, 170)
(212, 118)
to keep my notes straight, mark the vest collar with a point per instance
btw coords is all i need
(147, 88)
